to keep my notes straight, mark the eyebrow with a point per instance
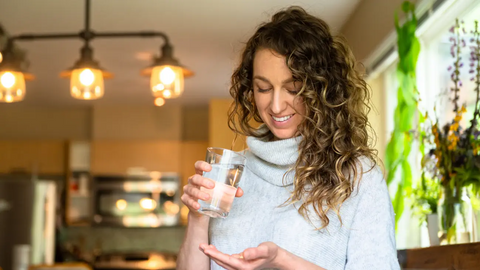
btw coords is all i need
(267, 81)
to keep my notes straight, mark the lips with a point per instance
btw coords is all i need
(282, 119)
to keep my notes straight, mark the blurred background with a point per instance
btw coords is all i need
(97, 177)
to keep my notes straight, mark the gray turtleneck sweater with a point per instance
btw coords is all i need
(365, 241)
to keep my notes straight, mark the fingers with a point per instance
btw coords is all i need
(222, 259)
(259, 252)
(200, 181)
(238, 256)
(202, 166)
(189, 202)
(192, 192)
(239, 192)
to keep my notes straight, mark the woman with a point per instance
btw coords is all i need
(311, 195)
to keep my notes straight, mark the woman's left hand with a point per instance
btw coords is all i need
(263, 256)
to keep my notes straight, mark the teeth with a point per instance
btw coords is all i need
(282, 119)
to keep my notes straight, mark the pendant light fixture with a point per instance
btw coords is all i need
(86, 76)
(166, 75)
(12, 76)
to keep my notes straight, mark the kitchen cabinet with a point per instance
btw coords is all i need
(192, 151)
(45, 157)
(117, 157)
(219, 134)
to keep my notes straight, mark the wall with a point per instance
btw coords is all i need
(137, 122)
(195, 123)
(170, 122)
(377, 115)
(369, 25)
(18, 121)
(220, 135)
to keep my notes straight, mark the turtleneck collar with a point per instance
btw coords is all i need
(271, 159)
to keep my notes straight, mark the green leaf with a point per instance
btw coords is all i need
(398, 203)
(407, 174)
(408, 91)
(451, 232)
(406, 6)
(392, 173)
(394, 150)
(407, 116)
(415, 52)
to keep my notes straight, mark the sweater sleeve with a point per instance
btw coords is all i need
(371, 243)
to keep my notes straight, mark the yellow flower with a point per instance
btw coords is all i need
(454, 127)
(476, 149)
(453, 139)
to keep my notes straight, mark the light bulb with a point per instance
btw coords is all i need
(7, 79)
(167, 75)
(167, 94)
(19, 92)
(159, 102)
(166, 82)
(148, 204)
(8, 98)
(87, 95)
(158, 87)
(1, 57)
(121, 204)
(86, 83)
(87, 77)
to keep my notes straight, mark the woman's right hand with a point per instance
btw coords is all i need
(192, 192)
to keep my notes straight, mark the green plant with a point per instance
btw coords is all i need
(425, 197)
(406, 116)
(455, 150)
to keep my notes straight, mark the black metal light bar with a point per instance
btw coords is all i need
(87, 34)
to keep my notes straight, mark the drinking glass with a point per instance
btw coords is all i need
(227, 169)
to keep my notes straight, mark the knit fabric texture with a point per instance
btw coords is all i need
(365, 240)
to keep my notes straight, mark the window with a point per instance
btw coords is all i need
(433, 83)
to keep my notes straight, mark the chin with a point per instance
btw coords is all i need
(283, 134)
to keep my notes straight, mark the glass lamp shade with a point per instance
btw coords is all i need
(12, 86)
(159, 102)
(166, 81)
(86, 83)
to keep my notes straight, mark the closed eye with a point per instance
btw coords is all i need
(293, 92)
(262, 90)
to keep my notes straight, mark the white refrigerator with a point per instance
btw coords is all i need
(27, 222)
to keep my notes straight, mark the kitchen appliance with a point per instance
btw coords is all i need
(136, 260)
(27, 222)
(147, 199)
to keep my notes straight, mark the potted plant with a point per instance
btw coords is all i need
(425, 197)
(453, 161)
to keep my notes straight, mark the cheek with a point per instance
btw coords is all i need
(299, 105)
(260, 103)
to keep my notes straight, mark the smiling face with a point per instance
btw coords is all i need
(275, 94)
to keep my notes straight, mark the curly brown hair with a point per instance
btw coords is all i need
(335, 126)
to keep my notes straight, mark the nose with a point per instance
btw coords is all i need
(278, 103)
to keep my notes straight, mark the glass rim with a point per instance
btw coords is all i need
(221, 148)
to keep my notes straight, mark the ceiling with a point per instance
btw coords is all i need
(207, 37)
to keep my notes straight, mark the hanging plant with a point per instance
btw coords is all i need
(406, 116)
